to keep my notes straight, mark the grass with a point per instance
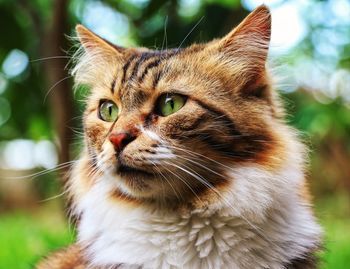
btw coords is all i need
(334, 214)
(25, 236)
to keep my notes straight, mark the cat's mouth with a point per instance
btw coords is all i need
(126, 171)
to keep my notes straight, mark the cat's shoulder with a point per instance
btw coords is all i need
(68, 258)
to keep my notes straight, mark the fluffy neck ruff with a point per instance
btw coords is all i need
(261, 221)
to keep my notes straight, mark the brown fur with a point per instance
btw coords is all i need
(307, 262)
(139, 76)
(69, 258)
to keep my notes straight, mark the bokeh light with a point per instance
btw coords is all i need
(15, 63)
(24, 154)
(106, 22)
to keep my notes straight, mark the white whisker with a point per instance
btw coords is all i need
(46, 171)
(50, 58)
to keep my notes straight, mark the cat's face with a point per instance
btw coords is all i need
(167, 125)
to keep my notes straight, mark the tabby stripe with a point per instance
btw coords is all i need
(113, 84)
(156, 79)
(253, 143)
(223, 116)
(144, 57)
(163, 56)
(148, 67)
(223, 148)
(126, 66)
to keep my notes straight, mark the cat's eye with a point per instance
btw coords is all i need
(169, 103)
(108, 111)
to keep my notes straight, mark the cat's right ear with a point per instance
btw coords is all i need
(96, 45)
(94, 55)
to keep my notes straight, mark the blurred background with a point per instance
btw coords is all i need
(40, 115)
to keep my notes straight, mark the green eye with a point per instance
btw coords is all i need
(108, 111)
(170, 103)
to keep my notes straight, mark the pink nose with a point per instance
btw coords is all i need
(120, 140)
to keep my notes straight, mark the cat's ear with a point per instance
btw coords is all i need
(96, 58)
(96, 45)
(252, 36)
(243, 52)
(245, 48)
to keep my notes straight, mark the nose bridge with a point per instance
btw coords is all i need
(128, 123)
(125, 131)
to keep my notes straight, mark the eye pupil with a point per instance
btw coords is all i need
(168, 104)
(108, 111)
(171, 102)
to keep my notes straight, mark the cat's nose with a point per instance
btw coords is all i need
(120, 140)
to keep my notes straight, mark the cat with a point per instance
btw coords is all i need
(188, 162)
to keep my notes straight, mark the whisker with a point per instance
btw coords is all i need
(161, 174)
(165, 38)
(200, 155)
(46, 171)
(190, 32)
(184, 181)
(201, 165)
(50, 58)
(53, 197)
(53, 86)
(96, 169)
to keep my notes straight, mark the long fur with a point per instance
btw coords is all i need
(260, 222)
(218, 184)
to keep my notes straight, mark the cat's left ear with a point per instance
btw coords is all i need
(253, 33)
(245, 48)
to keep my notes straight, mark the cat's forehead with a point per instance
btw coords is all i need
(137, 66)
(144, 73)
(139, 75)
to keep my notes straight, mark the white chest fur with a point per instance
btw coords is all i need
(229, 235)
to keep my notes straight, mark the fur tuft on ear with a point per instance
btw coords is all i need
(255, 27)
(251, 37)
(93, 55)
(244, 51)
(93, 43)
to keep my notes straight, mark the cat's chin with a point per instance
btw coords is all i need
(131, 173)
(135, 182)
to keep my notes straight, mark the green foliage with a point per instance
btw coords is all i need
(334, 212)
(27, 236)
(25, 93)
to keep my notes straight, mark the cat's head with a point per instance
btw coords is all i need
(169, 124)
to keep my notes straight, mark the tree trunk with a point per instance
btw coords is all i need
(60, 92)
